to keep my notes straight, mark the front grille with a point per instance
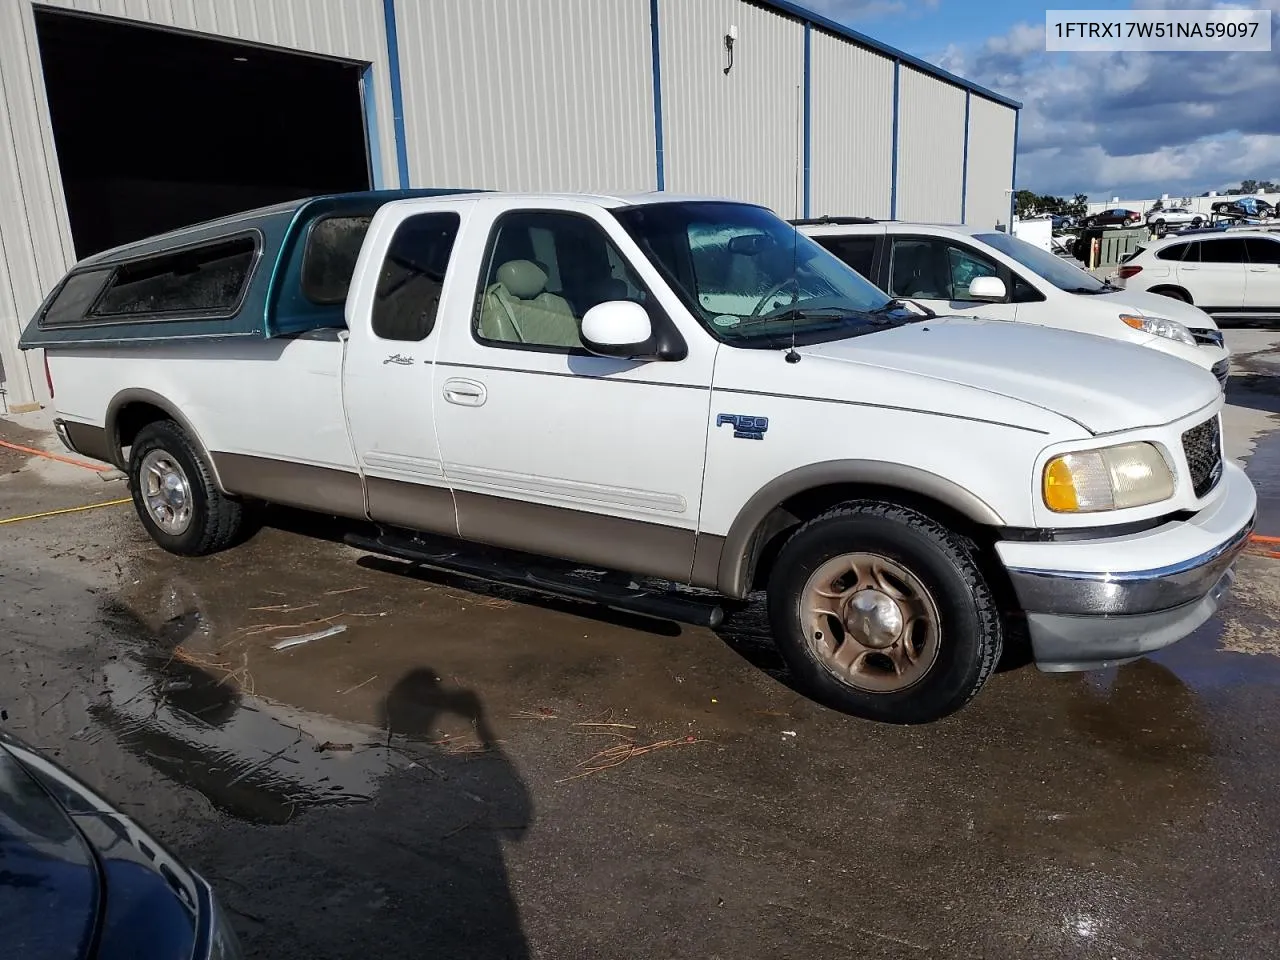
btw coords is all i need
(1207, 337)
(1221, 370)
(1203, 447)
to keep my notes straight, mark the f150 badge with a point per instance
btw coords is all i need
(744, 427)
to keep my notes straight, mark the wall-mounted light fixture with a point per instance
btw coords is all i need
(729, 39)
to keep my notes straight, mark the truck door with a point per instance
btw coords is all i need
(388, 379)
(548, 448)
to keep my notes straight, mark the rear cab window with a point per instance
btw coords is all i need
(329, 260)
(412, 277)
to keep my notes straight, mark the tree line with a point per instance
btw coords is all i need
(1031, 204)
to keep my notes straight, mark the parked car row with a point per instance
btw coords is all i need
(904, 456)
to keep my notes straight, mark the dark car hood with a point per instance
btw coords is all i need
(78, 879)
(49, 888)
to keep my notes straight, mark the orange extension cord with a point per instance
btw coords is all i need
(98, 468)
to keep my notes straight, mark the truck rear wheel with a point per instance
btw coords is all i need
(884, 613)
(175, 496)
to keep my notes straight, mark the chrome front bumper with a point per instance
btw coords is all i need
(1081, 619)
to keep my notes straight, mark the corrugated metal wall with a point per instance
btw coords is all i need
(990, 162)
(738, 135)
(851, 128)
(930, 148)
(528, 94)
(35, 238)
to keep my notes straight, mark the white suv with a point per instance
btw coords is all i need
(1234, 274)
(981, 272)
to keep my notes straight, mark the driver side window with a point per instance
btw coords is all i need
(545, 271)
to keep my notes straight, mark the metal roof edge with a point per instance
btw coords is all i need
(848, 33)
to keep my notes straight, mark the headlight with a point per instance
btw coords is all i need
(1113, 478)
(1160, 327)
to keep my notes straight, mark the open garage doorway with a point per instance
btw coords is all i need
(156, 129)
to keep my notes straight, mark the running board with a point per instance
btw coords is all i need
(444, 555)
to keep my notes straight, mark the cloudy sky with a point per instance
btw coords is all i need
(1131, 125)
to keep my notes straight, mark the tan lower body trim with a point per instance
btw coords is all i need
(614, 543)
(706, 561)
(322, 489)
(416, 506)
(89, 441)
(647, 549)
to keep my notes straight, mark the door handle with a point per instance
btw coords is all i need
(465, 393)
(1259, 270)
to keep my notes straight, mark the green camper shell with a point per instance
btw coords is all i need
(275, 271)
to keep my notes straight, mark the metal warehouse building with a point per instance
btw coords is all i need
(123, 118)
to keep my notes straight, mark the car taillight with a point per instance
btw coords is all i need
(48, 375)
(1124, 273)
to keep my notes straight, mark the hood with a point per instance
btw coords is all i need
(48, 876)
(1154, 305)
(87, 876)
(1103, 385)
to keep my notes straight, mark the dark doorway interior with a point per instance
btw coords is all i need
(157, 129)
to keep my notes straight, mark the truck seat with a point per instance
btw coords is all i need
(518, 309)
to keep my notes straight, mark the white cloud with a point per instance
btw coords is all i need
(1132, 124)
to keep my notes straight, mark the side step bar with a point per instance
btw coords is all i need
(445, 555)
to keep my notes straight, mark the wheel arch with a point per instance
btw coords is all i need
(1164, 289)
(787, 501)
(132, 409)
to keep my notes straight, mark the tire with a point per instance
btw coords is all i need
(1173, 293)
(953, 656)
(213, 521)
(1197, 222)
(1160, 228)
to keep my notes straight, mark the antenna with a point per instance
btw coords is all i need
(791, 356)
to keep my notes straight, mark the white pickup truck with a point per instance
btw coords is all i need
(669, 389)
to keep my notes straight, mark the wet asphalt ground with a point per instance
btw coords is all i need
(456, 773)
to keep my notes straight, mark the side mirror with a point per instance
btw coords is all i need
(987, 288)
(618, 328)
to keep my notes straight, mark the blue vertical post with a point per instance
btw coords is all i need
(808, 130)
(397, 94)
(1013, 181)
(893, 169)
(964, 163)
(373, 136)
(655, 40)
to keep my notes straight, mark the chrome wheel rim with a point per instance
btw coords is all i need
(871, 622)
(166, 492)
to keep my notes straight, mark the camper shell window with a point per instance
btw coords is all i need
(207, 280)
(75, 297)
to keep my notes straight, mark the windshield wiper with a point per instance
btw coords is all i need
(892, 305)
(800, 313)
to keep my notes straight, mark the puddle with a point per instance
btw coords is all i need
(252, 758)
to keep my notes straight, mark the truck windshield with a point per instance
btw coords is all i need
(753, 280)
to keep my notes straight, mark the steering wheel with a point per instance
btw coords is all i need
(776, 289)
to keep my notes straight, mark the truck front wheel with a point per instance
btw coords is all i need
(884, 613)
(175, 496)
